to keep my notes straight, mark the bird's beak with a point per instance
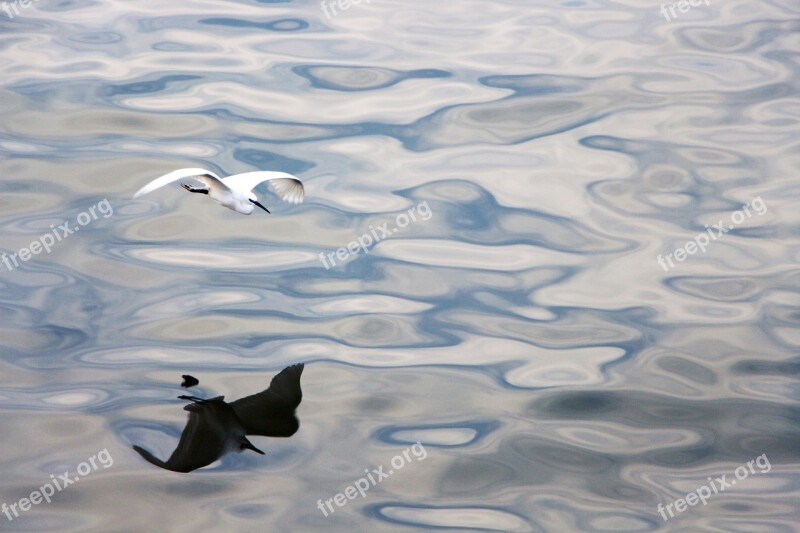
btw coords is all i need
(246, 444)
(256, 202)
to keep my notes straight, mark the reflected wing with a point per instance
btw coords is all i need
(287, 187)
(209, 179)
(271, 412)
(202, 441)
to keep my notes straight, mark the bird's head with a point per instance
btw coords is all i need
(254, 201)
(247, 445)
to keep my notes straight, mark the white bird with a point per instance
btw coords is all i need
(233, 192)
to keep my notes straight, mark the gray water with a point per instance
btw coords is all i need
(557, 375)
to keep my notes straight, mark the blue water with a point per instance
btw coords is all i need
(522, 329)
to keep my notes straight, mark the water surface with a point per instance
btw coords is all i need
(525, 333)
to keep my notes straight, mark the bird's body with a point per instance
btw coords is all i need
(216, 427)
(233, 192)
(212, 431)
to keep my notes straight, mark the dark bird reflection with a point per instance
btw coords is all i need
(216, 427)
(189, 381)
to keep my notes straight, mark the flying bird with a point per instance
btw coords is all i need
(233, 192)
(216, 427)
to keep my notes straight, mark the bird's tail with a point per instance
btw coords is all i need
(150, 458)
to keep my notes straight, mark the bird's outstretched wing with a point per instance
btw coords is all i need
(287, 187)
(202, 441)
(207, 178)
(270, 413)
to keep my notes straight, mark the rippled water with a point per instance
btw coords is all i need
(557, 375)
